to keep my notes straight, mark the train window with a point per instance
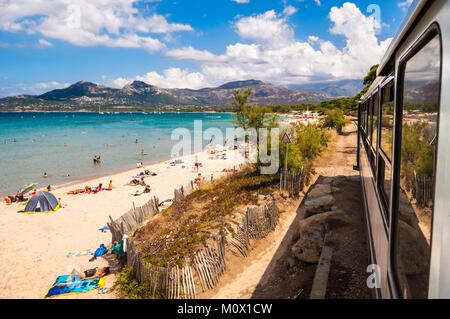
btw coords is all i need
(386, 138)
(419, 136)
(387, 119)
(374, 120)
(369, 118)
(363, 115)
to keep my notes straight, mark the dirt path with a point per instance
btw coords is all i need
(270, 271)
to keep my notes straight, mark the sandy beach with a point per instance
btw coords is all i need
(35, 247)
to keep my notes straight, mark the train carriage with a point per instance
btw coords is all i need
(403, 156)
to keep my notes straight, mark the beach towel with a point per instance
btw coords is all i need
(64, 285)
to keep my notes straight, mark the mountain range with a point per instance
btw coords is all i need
(88, 96)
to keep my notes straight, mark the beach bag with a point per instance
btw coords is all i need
(118, 249)
(100, 251)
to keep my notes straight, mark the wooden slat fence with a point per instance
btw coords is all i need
(423, 189)
(292, 181)
(133, 219)
(209, 263)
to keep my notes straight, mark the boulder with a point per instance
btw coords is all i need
(354, 178)
(338, 180)
(331, 220)
(309, 246)
(312, 234)
(326, 180)
(320, 190)
(319, 204)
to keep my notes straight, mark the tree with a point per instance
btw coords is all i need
(251, 116)
(334, 118)
(368, 80)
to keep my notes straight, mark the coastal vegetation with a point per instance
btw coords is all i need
(252, 117)
(183, 228)
(308, 142)
(334, 118)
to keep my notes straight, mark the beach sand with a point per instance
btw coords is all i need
(34, 248)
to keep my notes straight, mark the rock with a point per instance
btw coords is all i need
(354, 178)
(319, 204)
(327, 180)
(338, 180)
(312, 234)
(331, 220)
(309, 246)
(290, 262)
(319, 190)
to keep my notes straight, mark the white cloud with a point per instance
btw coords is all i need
(189, 53)
(318, 2)
(31, 88)
(267, 28)
(290, 10)
(171, 78)
(405, 4)
(113, 23)
(241, 1)
(45, 43)
(275, 55)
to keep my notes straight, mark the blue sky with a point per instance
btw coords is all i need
(190, 43)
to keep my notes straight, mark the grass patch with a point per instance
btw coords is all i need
(185, 227)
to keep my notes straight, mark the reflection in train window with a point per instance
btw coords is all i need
(387, 119)
(375, 120)
(417, 169)
(363, 115)
(387, 124)
(369, 119)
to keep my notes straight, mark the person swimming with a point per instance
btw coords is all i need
(45, 175)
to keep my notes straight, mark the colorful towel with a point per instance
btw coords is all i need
(64, 285)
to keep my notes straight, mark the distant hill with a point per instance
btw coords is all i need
(341, 88)
(142, 96)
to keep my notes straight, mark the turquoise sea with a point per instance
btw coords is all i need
(64, 143)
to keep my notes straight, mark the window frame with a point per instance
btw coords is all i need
(381, 153)
(428, 35)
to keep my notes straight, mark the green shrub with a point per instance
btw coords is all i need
(128, 287)
(308, 141)
(334, 118)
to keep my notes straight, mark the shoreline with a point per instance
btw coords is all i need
(148, 112)
(117, 171)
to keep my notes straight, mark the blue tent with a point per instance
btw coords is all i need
(42, 202)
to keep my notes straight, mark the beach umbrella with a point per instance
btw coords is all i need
(26, 188)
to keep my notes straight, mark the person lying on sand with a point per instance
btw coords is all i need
(76, 192)
(134, 182)
(90, 273)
